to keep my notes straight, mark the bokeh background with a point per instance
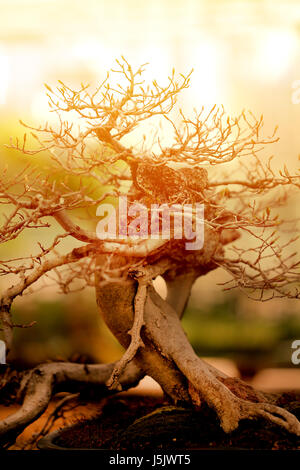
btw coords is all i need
(245, 55)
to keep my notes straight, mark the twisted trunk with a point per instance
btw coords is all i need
(168, 357)
(116, 304)
(163, 352)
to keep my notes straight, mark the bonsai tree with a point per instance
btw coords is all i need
(211, 169)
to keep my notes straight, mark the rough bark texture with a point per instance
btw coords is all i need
(162, 352)
(34, 389)
(168, 357)
(116, 302)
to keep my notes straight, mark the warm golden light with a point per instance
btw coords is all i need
(136, 144)
(276, 52)
(239, 50)
(4, 75)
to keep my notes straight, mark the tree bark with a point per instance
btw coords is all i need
(168, 357)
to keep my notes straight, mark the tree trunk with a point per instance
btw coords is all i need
(116, 303)
(168, 358)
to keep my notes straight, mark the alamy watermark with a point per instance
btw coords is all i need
(296, 354)
(135, 221)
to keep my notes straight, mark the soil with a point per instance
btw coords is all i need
(140, 423)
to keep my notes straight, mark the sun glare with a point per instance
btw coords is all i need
(4, 75)
(276, 51)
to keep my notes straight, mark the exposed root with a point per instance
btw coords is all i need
(232, 403)
(47, 379)
(68, 402)
(194, 394)
(231, 409)
(272, 413)
(244, 391)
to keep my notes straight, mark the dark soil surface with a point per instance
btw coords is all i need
(141, 423)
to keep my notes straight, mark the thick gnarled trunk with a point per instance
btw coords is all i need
(116, 304)
(163, 353)
(168, 357)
